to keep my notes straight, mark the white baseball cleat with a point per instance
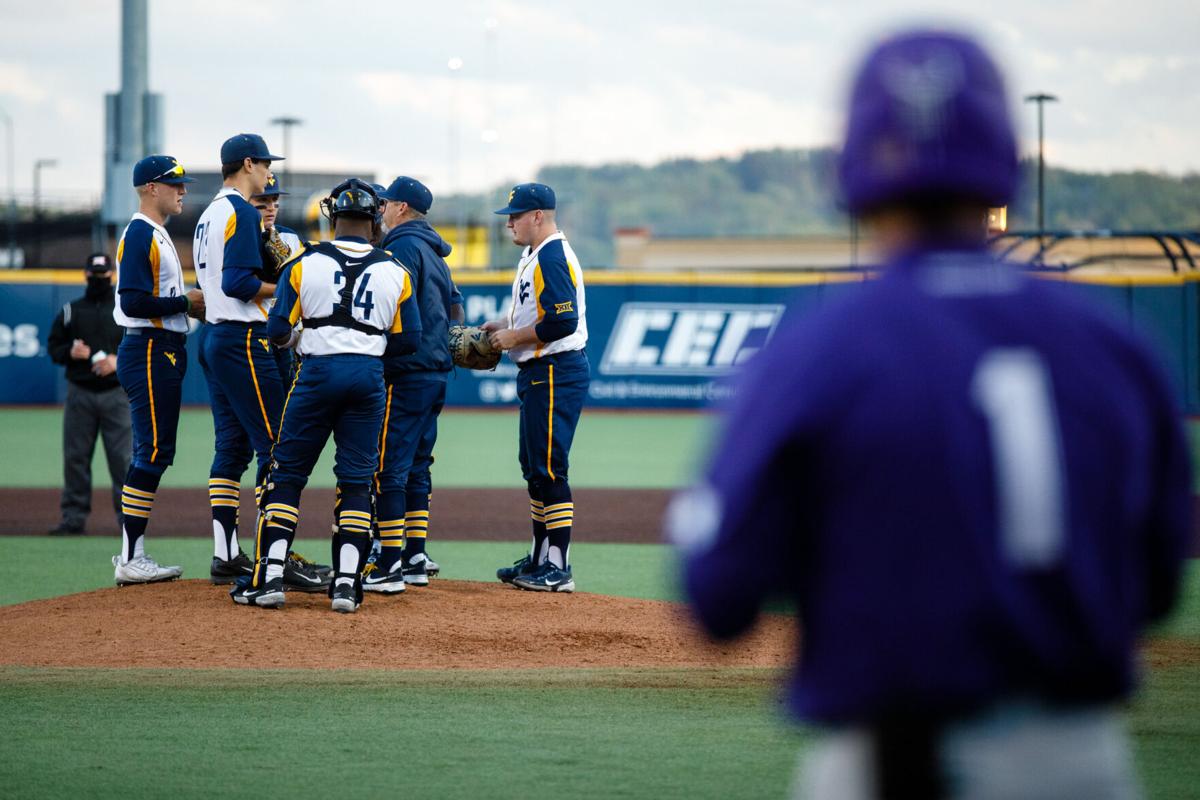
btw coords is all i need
(142, 570)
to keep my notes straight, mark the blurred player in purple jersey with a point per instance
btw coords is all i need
(973, 484)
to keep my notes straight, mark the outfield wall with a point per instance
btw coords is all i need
(655, 339)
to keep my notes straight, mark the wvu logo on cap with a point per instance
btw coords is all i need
(271, 181)
(170, 357)
(510, 194)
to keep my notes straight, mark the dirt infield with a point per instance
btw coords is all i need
(459, 625)
(602, 515)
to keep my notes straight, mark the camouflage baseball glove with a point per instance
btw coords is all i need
(470, 348)
(274, 253)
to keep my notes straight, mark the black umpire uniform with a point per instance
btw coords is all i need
(95, 403)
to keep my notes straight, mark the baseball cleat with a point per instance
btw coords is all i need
(546, 578)
(226, 572)
(524, 566)
(298, 576)
(142, 570)
(416, 570)
(344, 600)
(432, 568)
(269, 595)
(320, 569)
(375, 579)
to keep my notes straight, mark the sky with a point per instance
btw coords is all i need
(542, 83)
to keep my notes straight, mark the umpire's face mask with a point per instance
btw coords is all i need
(99, 284)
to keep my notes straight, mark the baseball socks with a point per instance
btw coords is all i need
(277, 528)
(224, 497)
(537, 550)
(137, 500)
(559, 515)
(416, 524)
(352, 542)
(390, 509)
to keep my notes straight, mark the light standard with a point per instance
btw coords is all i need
(287, 123)
(455, 65)
(12, 193)
(37, 202)
(1041, 99)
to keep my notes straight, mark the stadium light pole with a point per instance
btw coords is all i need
(455, 65)
(1041, 98)
(38, 166)
(12, 192)
(287, 123)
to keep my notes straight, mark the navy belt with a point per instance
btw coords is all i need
(174, 337)
(553, 358)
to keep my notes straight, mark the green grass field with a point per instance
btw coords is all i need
(475, 448)
(630, 733)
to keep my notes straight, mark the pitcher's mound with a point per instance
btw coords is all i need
(446, 625)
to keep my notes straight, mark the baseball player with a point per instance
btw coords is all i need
(278, 245)
(973, 484)
(244, 379)
(357, 304)
(545, 334)
(153, 308)
(416, 392)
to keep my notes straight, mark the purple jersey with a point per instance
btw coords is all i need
(973, 484)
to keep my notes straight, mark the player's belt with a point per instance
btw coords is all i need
(174, 337)
(553, 358)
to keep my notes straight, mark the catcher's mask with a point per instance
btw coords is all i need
(351, 197)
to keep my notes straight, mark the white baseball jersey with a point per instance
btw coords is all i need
(228, 239)
(147, 261)
(311, 286)
(548, 287)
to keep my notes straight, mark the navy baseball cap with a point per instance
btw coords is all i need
(246, 145)
(529, 197)
(159, 169)
(98, 263)
(272, 188)
(408, 190)
(928, 117)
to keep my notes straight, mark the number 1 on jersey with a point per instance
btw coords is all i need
(1012, 388)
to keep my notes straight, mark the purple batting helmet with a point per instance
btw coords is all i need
(928, 118)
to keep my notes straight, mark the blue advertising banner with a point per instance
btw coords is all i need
(664, 340)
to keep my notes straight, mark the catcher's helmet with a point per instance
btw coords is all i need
(353, 197)
(928, 118)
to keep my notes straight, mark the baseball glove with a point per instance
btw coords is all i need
(274, 253)
(470, 348)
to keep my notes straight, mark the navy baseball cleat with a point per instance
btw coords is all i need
(522, 567)
(312, 566)
(226, 572)
(345, 598)
(375, 579)
(302, 576)
(416, 570)
(432, 568)
(269, 595)
(546, 578)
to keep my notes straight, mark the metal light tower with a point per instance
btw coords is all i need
(1041, 99)
(12, 193)
(287, 123)
(38, 165)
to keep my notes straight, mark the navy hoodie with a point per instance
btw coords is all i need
(422, 250)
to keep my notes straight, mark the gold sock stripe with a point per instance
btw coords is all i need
(226, 493)
(559, 507)
(223, 503)
(537, 518)
(417, 525)
(137, 492)
(418, 533)
(224, 482)
(553, 526)
(136, 502)
(533, 502)
(350, 512)
(354, 528)
(130, 511)
(391, 526)
(417, 515)
(559, 517)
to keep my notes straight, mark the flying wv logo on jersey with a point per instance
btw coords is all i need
(523, 294)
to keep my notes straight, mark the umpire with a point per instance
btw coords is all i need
(84, 337)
